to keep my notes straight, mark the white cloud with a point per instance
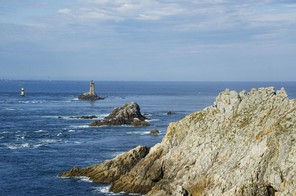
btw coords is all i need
(65, 11)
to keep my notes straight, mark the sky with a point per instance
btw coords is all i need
(148, 40)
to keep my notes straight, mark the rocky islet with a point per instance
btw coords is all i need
(128, 114)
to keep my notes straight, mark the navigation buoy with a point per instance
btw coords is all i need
(23, 92)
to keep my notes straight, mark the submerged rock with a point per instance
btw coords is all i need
(84, 117)
(154, 132)
(245, 144)
(129, 114)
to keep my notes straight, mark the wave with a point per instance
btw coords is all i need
(139, 132)
(39, 144)
(153, 120)
(84, 179)
(41, 131)
(9, 109)
(105, 190)
(19, 146)
(80, 126)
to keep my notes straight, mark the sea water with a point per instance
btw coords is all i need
(39, 139)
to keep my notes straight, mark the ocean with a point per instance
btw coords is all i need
(39, 139)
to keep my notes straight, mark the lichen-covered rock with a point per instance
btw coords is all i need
(110, 170)
(129, 114)
(245, 144)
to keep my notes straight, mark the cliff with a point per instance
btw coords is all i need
(245, 144)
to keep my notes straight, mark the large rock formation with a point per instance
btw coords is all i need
(129, 114)
(245, 144)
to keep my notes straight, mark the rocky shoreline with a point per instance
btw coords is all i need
(244, 144)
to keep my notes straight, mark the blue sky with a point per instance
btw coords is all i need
(170, 40)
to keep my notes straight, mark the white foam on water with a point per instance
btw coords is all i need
(59, 134)
(40, 131)
(84, 179)
(139, 132)
(153, 120)
(9, 109)
(71, 130)
(17, 146)
(80, 126)
(105, 190)
(49, 141)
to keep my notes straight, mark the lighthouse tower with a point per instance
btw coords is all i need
(92, 88)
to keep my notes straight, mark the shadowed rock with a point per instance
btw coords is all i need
(129, 114)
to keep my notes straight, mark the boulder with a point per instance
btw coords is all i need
(129, 114)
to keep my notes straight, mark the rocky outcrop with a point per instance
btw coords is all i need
(154, 132)
(110, 170)
(84, 117)
(245, 144)
(129, 114)
(89, 97)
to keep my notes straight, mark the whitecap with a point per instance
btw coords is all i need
(80, 126)
(17, 146)
(59, 134)
(105, 190)
(138, 132)
(40, 131)
(9, 109)
(153, 120)
(71, 130)
(84, 179)
(49, 141)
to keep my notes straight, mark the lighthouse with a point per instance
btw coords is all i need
(91, 95)
(23, 92)
(92, 88)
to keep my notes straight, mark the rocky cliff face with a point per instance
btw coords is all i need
(245, 144)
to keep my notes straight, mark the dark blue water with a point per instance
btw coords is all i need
(36, 145)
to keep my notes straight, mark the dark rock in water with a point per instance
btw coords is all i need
(129, 114)
(110, 170)
(84, 117)
(154, 132)
(170, 113)
(89, 97)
